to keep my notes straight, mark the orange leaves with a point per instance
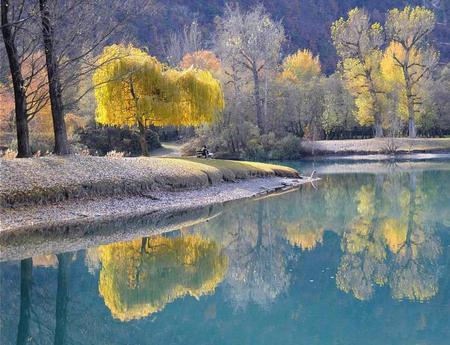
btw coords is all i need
(202, 59)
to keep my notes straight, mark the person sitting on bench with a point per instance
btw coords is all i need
(204, 153)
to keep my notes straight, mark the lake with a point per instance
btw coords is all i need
(361, 257)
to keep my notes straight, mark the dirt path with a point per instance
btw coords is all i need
(168, 149)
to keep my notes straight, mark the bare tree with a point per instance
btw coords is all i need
(72, 33)
(188, 41)
(253, 41)
(9, 29)
(54, 82)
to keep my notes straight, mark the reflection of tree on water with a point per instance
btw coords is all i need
(62, 298)
(415, 270)
(23, 333)
(257, 272)
(390, 244)
(140, 277)
(36, 313)
(363, 264)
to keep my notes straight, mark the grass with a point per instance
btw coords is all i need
(52, 179)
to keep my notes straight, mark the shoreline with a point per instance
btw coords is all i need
(79, 224)
(390, 147)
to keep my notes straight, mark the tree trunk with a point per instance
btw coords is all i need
(257, 96)
(23, 332)
(62, 298)
(377, 113)
(411, 125)
(54, 83)
(378, 125)
(409, 97)
(20, 102)
(142, 141)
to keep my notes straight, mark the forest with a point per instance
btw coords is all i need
(249, 80)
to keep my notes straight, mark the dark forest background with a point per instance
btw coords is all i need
(307, 22)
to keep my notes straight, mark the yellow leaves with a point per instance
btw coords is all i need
(301, 66)
(392, 65)
(140, 277)
(133, 87)
(394, 232)
(202, 95)
(364, 81)
(6, 108)
(410, 25)
(305, 239)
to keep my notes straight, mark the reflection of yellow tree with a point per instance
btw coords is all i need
(304, 237)
(414, 247)
(394, 236)
(140, 277)
(363, 265)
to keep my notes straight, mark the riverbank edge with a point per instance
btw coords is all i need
(82, 224)
(55, 179)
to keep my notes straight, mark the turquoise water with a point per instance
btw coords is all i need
(362, 257)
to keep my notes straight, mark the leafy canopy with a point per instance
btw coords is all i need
(301, 65)
(134, 88)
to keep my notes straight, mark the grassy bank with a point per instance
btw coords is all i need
(52, 179)
(375, 146)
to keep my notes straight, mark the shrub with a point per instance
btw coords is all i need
(286, 148)
(103, 139)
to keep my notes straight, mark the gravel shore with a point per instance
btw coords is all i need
(77, 224)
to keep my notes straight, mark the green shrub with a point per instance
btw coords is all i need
(286, 148)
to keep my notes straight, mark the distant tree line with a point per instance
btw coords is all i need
(387, 83)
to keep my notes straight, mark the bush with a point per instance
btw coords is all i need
(102, 139)
(286, 148)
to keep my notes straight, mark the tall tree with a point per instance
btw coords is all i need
(410, 28)
(54, 82)
(8, 32)
(358, 44)
(251, 40)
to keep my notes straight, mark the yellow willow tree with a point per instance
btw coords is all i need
(140, 277)
(134, 89)
(409, 28)
(358, 43)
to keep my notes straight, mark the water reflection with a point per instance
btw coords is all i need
(140, 277)
(283, 260)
